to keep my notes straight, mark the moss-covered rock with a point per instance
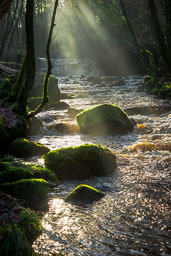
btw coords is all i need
(31, 191)
(81, 162)
(14, 171)
(3, 137)
(5, 88)
(24, 148)
(19, 228)
(84, 194)
(53, 90)
(104, 119)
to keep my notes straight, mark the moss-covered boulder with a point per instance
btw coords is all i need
(19, 227)
(84, 194)
(3, 137)
(104, 119)
(22, 147)
(14, 171)
(81, 162)
(31, 191)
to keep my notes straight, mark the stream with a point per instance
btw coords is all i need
(133, 218)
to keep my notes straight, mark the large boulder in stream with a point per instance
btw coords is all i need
(84, 194)
(104, 119)
(81, 162)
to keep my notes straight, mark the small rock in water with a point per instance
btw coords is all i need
(84, 194)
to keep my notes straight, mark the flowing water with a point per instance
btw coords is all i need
(133, 218)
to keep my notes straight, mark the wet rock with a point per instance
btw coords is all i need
(72, 112)
(22, 147)
(108, 79)
(104, 119)
(84, 194)
(64, 96)
(82, 76)
(60, 105)
(83, 161)
(61, 128)
(35, 126)
(147, 110)
(119, 83)
(94, 79)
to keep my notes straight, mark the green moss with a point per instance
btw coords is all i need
(19, 227)
(14, 171)
(84, 194)
(24, 148)
(31, 191)
(81, 162)
(104, 119)
(3, 137)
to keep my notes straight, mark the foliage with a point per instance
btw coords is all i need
(19, 227)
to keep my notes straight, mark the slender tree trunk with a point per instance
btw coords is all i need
(168, 24)
(9, 29)
(133, 34)
(26, 77)
(48, 73)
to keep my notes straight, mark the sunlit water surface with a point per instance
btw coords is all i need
(134, 216)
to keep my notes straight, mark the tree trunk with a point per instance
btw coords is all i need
(26, 77)
(48, 73)
(168, 24)
(133, 35)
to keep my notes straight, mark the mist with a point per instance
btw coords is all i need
(82, 35)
